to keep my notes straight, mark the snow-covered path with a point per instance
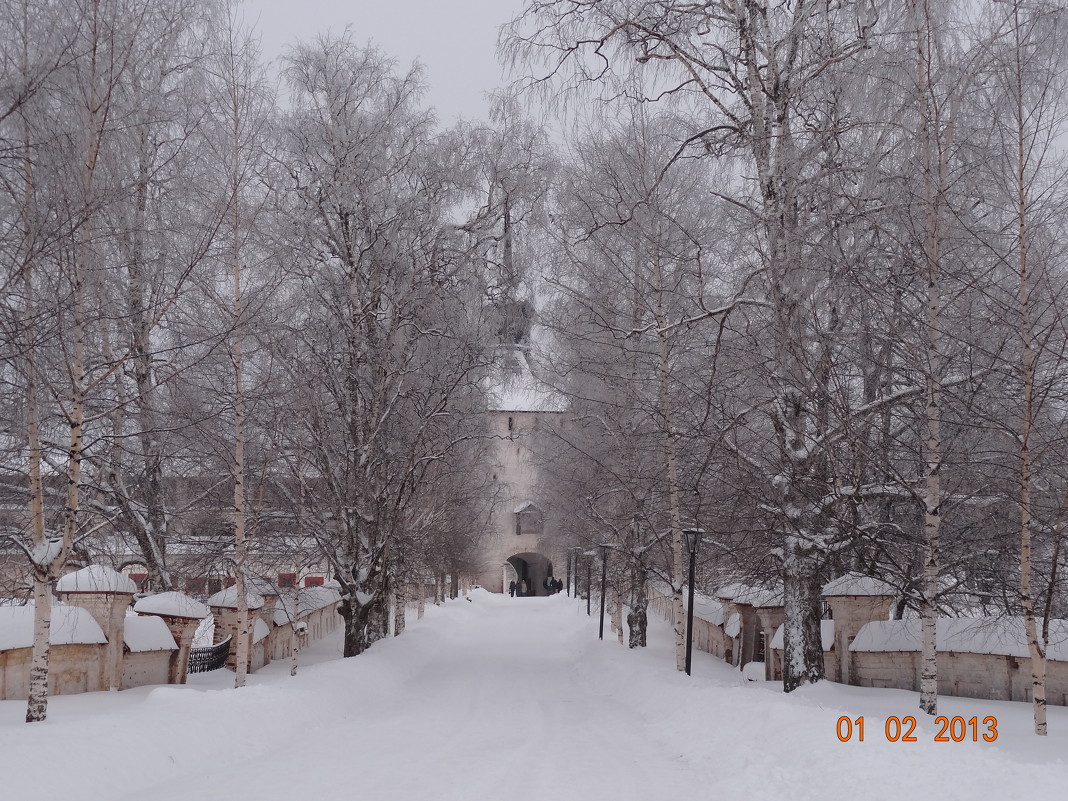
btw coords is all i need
(501, 698)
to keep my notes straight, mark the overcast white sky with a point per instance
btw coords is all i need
(456, 40)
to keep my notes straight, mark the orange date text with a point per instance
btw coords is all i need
(954, 729)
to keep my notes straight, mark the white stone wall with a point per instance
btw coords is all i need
(147, 667)
(72, 669)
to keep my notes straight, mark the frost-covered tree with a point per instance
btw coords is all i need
(383, 350)
(756, 80)
(637, 274)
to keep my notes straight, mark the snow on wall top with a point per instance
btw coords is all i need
(728, 592)
(705, 608)
(734, 625)
(96, 578)
(227, 599)
(262, 586)
(512, 387)
(759, 597)
(1003, 636)
(260, 630)
(172, 604)
(285, 611)
(826, 636)
(71, 625)
(143, 634)
(310, 599)
(857, 584)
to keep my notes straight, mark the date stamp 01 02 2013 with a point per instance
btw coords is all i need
(903, 730)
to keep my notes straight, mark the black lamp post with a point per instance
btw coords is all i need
(604, 582)
(589, 560)
(692, 539)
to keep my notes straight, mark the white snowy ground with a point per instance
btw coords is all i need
(502, 698)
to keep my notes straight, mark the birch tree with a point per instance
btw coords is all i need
(80, 131)
(32, 60)
(242, 113)
(162, 230)
(637, 270)
(382, 358)
(104, 58)
(751, 74)
(1022, 102)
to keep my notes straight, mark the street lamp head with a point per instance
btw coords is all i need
(605, 547)
(692, 538)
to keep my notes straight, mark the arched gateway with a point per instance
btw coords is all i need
(530, 572)
(519, 545)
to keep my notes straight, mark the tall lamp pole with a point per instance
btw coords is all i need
(604, 582)
(568, 572)
(692, 538)
(589, 560)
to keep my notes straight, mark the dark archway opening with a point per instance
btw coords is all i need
(530, 572)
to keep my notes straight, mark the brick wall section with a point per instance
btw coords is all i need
(226, 625)
(109, 611)
(850, 613)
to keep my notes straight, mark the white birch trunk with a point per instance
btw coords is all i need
(238, 87)
(37, 701)
(244, 640)
(49, 562)
(37, 706)
(678, 564)
(244, 623)
(298, 640)
(1035, 646)
(933, 143)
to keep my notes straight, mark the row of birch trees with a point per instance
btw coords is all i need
(234, 324)
(799, 260)
(807, 279)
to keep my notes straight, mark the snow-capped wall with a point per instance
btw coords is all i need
(71, 625)
(96, 578)
(172, 604)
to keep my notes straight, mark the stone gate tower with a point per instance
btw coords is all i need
(519, 545)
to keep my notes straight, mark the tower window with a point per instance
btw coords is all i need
(528, 520)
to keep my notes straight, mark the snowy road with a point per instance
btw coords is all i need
(503, 698)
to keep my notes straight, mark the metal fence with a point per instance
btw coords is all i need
(201, 660)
